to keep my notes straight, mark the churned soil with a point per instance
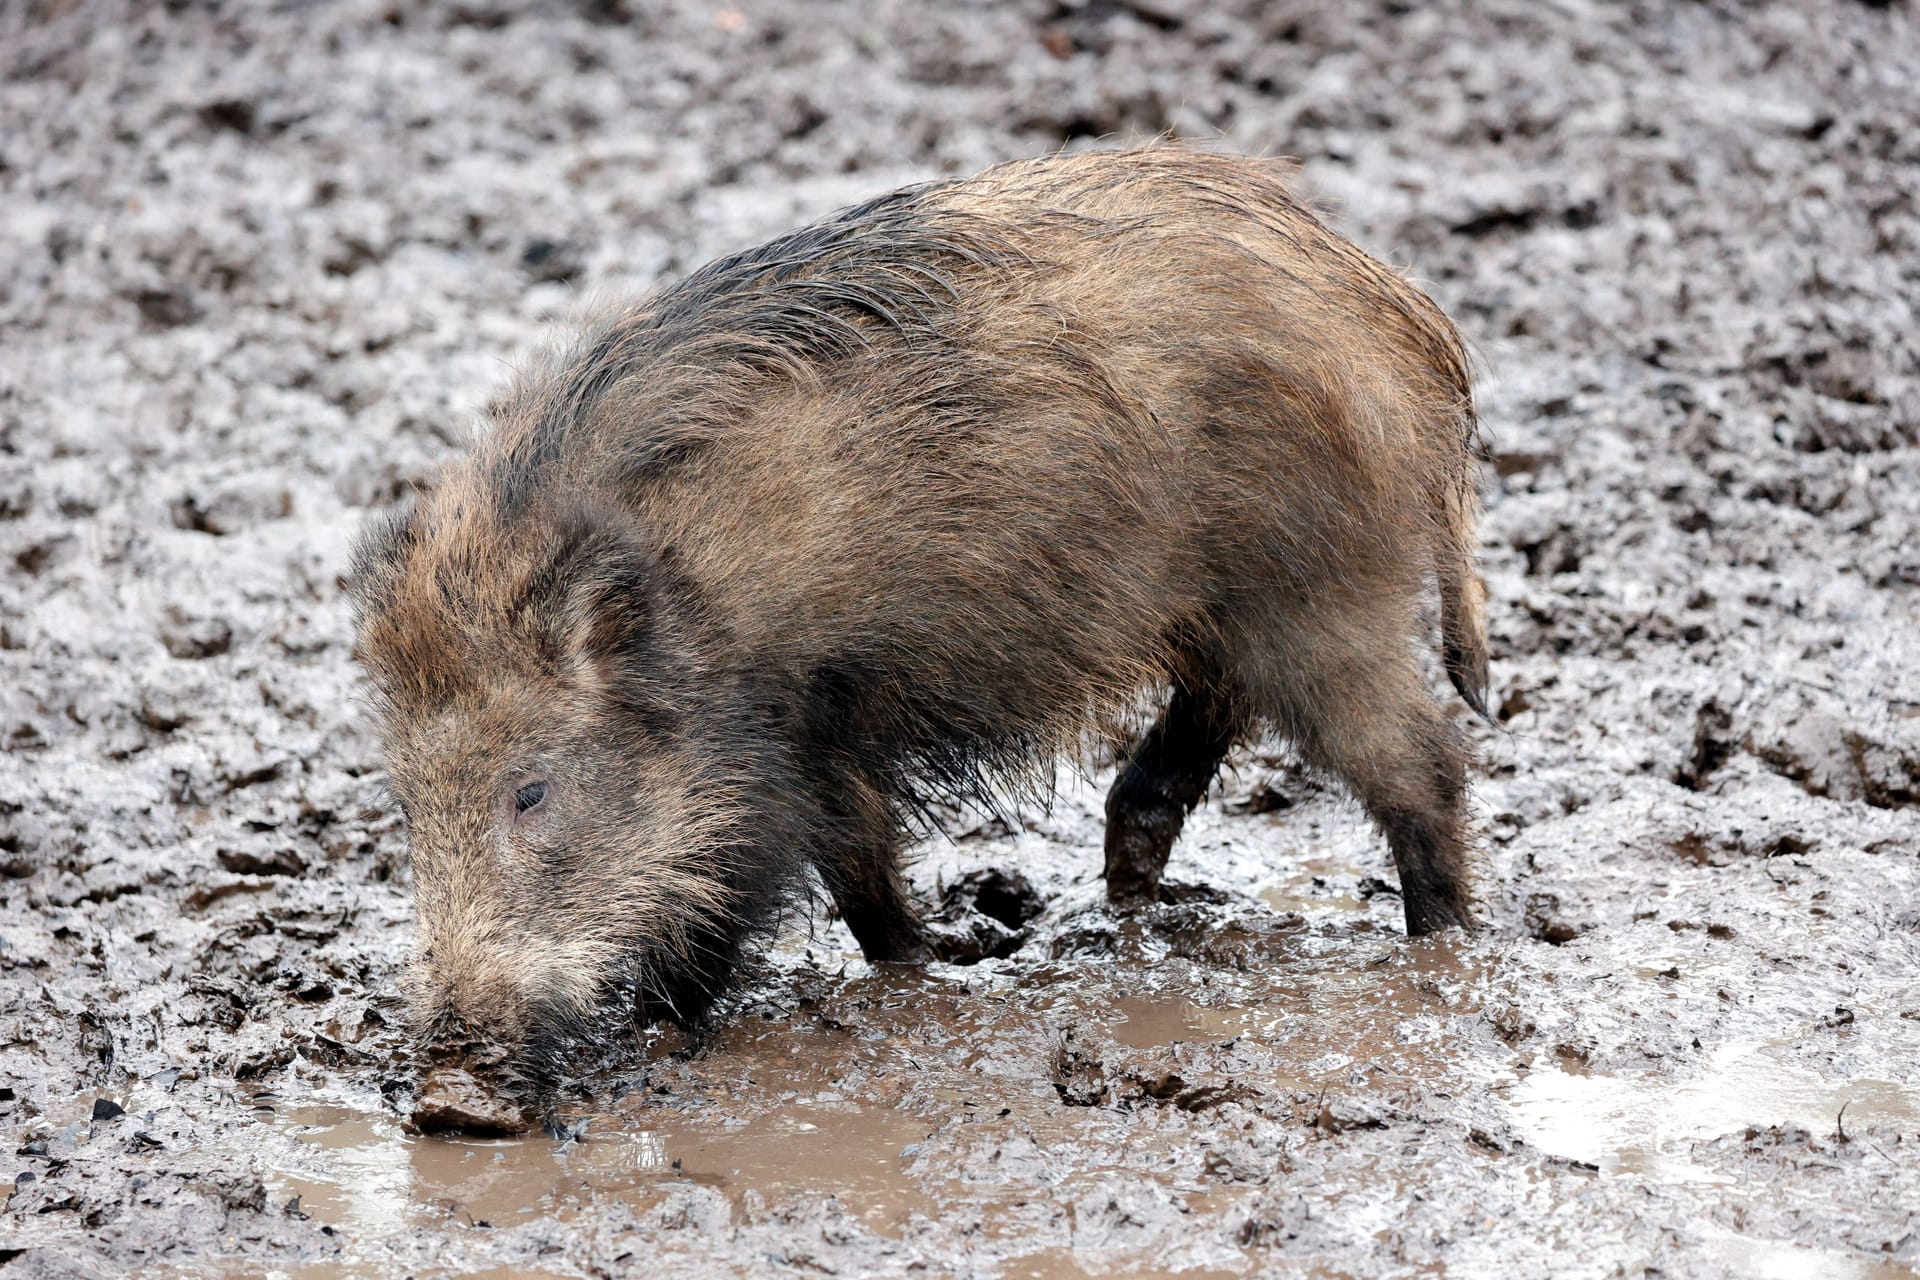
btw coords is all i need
(261, 267)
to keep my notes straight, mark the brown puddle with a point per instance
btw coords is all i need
(1330, 1024)
(371, 1180)
(783, 1107)
(359, 1173)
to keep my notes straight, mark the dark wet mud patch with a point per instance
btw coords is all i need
(983, 915)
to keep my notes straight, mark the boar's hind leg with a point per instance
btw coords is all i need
(1364, 714)
(1160, 784)
(862, 871)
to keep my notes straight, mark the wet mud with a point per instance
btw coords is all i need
(260, 269)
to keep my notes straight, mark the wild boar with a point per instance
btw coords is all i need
(896, 509)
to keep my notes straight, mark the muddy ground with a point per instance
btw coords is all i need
(261, 264)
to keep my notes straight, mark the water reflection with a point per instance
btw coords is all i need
(1648, 1125)
(371, 1180)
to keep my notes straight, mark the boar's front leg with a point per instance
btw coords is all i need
(873, 900)
(1167, 775)
(860, 863)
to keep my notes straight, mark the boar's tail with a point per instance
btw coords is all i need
(1463, 597)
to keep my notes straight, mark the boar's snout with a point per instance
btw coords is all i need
(483, 1082)
(496, 1035)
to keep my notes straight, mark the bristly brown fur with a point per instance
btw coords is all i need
(899, 507)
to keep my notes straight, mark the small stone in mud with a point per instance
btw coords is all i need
(1233, 1162)
(107, 1109)
(1264, 798)
(1173, 894)
(1545, 921)
(563, 1131)
(453, 1100)
(970, 940)
(166, 308)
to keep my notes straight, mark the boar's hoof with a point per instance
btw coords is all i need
(1135, 897)
(1432, 912)
(1131, 895)
(453, 1100)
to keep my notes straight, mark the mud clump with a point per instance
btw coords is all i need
(983, 915)
(453, 1098)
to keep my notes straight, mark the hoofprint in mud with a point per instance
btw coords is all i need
(255, 264)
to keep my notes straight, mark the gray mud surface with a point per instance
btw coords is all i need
(260, 265)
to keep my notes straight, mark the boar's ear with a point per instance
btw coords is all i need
(378, 555)
(592, 600)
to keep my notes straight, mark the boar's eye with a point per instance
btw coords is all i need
(529, 798)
